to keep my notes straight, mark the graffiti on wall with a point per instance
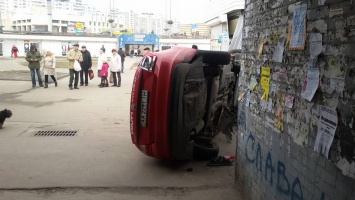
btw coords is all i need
(275, 174)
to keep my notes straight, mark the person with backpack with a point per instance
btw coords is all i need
(14, 51)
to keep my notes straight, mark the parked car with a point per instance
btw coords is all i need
(181, 98)
(105, 33)
(39, 31)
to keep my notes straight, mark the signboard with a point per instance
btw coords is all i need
(26, 44)
(79, 28)
(194, 27)
(138, 39)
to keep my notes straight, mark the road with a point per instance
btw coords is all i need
(99, 162)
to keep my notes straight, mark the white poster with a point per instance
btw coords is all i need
(311, 83)
(336, 84)
(315, 40)
(298, 27)
(279, 51)
(327, 125)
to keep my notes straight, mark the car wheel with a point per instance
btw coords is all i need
(205, 149)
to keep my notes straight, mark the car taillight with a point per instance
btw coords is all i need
(148, 63)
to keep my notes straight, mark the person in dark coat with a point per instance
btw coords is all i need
(121, 53)
(103, 48)
(33, 58)
(85, 66)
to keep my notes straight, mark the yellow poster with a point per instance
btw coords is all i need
(265, 82)
(79, 26)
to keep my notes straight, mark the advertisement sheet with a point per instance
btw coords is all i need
(265, 82)
(327, 125)
(298, 36)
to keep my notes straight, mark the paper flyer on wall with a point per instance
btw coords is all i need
(252, 83)
(265, 82)
(315, 40)
(327, 125)
(311, 83)
(298, 36)
(261, 47)
(247, 101)
(336, 84)
(279, 51)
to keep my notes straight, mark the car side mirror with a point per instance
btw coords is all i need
(148, 63)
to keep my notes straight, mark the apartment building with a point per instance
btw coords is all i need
(29, 15)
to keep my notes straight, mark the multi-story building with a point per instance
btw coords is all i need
(74, 5)
(28, 15)
(222, 17)
(198, 30)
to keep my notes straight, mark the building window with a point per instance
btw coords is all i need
(98, 23)
(90, 23)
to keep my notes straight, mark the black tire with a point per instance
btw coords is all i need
(205, 149)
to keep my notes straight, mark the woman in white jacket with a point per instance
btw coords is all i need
(115, 68)
(101, 60)
(49, 68)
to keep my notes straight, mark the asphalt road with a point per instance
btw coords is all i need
(99, 162)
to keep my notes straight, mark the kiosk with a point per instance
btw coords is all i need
(137, 42)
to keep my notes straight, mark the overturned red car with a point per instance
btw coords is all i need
(180, 97)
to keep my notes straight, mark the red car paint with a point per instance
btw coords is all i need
(153, 138)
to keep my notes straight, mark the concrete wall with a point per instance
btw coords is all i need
(280, 163)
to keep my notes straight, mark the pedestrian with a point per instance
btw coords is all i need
(131, 53)
(33, 58)
(121, 53)
(104, 74)
(100, 61)
(194, 46)
(49, 68)
(86, 64)
(146, 51)
(14, 51)
(74, 55)
(115, 68)
(103, 48)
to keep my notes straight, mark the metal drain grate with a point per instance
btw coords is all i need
(56, 133)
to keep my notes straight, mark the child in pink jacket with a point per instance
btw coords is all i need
(104, 75)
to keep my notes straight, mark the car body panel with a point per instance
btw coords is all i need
(153, 138)
(172, 100)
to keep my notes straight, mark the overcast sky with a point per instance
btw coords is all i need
(185, 11)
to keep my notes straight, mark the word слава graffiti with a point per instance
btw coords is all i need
(282, 185)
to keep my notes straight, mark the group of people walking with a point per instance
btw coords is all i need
(106, 69)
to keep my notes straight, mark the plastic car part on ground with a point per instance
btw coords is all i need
(221, 161)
